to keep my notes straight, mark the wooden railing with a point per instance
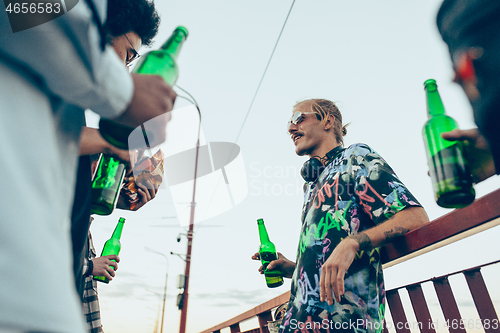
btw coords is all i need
(482, 301)
(262, 312)
(483, 214)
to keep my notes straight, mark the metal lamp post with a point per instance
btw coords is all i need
(165, 290)
(155, 330)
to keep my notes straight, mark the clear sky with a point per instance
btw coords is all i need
(369, 56)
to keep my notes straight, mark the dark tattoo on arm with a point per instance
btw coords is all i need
(365, 243)
(393, 233)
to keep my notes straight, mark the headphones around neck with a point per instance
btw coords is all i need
(313, 167)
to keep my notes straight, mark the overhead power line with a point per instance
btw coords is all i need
(264, 74)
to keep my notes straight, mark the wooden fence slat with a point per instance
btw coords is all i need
(397, 311)
(420, 308)
(235, 328)
(482, 299)
(264, 317)
(448, 303)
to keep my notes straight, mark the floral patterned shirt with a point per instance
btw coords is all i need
(356, 191)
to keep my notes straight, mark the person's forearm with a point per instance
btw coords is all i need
(398, 225)
(288, 269)
(65, 56)
(91, 142)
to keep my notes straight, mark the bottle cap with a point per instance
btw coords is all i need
(430, 84)
(182, 30)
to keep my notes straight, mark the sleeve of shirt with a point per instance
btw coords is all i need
(64, 57)
(85, 266)
(380, 192)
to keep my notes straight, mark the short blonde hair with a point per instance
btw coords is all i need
(324, 107)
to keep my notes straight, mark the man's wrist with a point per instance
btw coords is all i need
(90, 268)
(364, 242)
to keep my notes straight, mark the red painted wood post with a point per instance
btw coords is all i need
(482, 299)
(420, 308)
(448, 303)
(235, 328)
(397, 311)
(264, 317)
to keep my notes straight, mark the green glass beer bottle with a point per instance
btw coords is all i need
(107, 184)
(112, 246)
(267, 253)
(450, 175)
(160, 62)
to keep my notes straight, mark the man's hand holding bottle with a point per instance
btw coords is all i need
(152, 99)
(477, 152)
(285, 266)
(102, 266)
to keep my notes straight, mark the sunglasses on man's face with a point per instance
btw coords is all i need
(297, 118)
(135, 54)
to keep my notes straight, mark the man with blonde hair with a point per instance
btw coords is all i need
(353, 204)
